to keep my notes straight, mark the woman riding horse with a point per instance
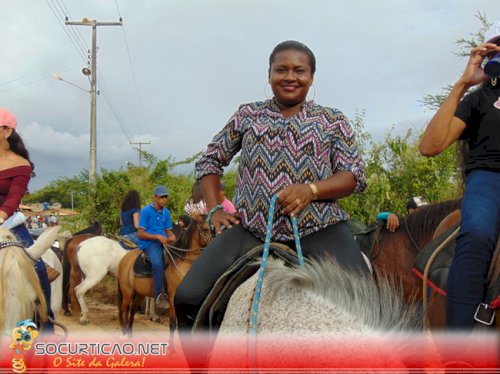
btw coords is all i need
(16, 170)
(304, 152)
(473, 119)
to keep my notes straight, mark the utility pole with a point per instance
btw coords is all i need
(93, 92)
(140, 150)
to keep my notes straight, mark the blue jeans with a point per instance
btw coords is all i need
(475, 243)
(132, 237)
(23, 235)
(155, 254)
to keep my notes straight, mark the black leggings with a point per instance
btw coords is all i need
(336, 241)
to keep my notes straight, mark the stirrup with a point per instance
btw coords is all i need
(483, 312)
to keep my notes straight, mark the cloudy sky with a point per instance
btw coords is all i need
(177, 69)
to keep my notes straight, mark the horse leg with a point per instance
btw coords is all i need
(147, 307)
(65, 289)
(137, 300)
(172, 325)
(125, 309)
(81, 289)
(151, 310)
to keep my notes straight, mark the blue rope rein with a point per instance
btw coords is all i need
(263, 265)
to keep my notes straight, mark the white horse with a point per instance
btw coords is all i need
(319, 300)
(95, 257)
(19, 284)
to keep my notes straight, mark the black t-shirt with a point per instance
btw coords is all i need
(483, 128)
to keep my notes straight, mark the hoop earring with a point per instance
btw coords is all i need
(265, 92)
(493, 81)
(314, 94)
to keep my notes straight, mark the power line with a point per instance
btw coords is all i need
(140, 150)
(93, 91)
(141, 107)
(77, 41)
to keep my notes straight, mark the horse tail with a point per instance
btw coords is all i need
(75, 280)
(120, 301)
(66, 265)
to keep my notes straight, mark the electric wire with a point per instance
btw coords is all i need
(60, 10)
(141, 107)
(55, 11)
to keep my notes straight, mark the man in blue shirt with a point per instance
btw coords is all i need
(154, 231)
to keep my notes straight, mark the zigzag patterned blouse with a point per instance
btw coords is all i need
(277, 152)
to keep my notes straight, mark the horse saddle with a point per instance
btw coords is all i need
(214, 307)
(51, 272)
(142, 266)
(365, 235)
(438, 272)
(124, 242)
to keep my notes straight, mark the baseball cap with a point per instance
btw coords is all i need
(493, 33)
(416, 202)
(7, 118)
(161, 190)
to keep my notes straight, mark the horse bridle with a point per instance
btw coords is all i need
(378, 234)
(171, 250)
(15, 243)
(411, 237)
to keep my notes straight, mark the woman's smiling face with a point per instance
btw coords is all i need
(290, 77)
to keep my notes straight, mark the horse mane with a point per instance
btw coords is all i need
(380, 305)
(425, 219)
(16, 268)
(96, 229)
(185, 239)
(176, 229)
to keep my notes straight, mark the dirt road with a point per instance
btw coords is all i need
(104, 322)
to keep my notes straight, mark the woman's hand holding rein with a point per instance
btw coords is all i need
(219, 218)
(296, 197)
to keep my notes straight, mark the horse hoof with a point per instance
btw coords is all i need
(68, 313)
(158, 320)
(84, 322)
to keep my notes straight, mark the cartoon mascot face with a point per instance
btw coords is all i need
(23, 335)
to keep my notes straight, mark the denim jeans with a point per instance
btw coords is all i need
(475, 243)
(155, 254)
(132, 237)
(22, 234)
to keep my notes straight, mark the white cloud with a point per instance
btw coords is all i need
(196, 61)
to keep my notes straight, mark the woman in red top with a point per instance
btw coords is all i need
(16, 169)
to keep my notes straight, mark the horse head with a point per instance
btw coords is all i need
(203, 229)
(43, 242)
(20, 287)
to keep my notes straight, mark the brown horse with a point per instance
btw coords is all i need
(435, 309)
(69, 259)
(179, 258)
(393, 255)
